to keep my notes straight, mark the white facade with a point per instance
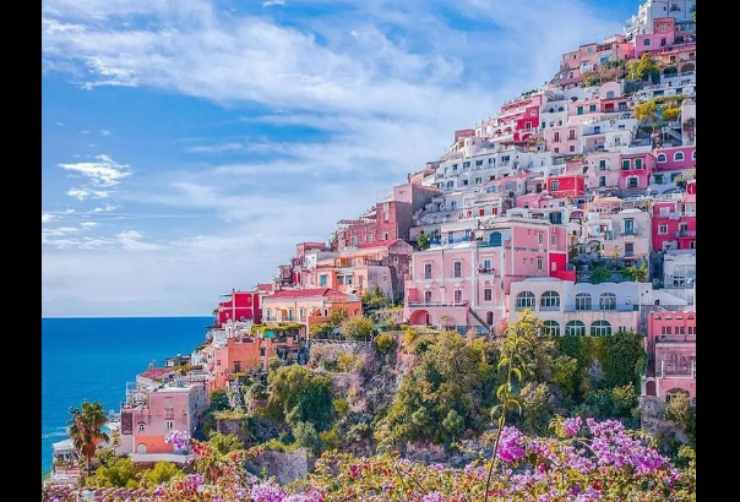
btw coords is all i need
(642, 22)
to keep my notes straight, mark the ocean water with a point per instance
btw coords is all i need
(93, 358)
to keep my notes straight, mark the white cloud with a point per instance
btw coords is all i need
(132, 240)
(270, 3)
(105, 172)
(82, 194)
(88, 224)
(47, 218)
(105, 209)
(226, 147)
(105, 132)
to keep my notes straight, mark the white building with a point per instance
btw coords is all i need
(642, 22)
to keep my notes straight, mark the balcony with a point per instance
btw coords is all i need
(687, 233)
(485, 271)
(418, 304)
(668, 339)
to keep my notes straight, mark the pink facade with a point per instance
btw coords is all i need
(676, 158)
(564, 139)
(635, 170)
(665, 37)
(465, 284)
(671, 348)
(604, 170)
(147, 420)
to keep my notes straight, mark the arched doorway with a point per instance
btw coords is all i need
(650, 388)
(420, 317)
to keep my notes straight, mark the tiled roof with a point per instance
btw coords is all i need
(156, 373)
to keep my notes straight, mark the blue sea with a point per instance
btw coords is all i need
(93, 358)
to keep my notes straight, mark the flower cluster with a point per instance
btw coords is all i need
(180, 440)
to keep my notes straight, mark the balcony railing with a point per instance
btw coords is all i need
(436, 304)
(676, 338)
(485, 271)
(687, 233)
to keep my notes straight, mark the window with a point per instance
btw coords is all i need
(427, 297)
(554, 185)
(525, 300)
(169, 425)
(579, 110)
(583, 301)
(237, 366)
(550, 301)
(457, 269)
(302, 312)
(678, 157)
(141, 427)
(323, 279)
(427, 271)
(262, 351)
(478, 162)
(539, 263)
(632, 182)
(492, 161)
(662, 229)
(601, 328)
(638, 163)
(646, 42)
(629, 226)
(592, 108)
(487, 296)
(629, 249)
(540, 237)
(458, 297)
(608, 301)
(572, 134)
(626, 165)
(693, 155)
(575, 328)
(602, 181)
(658, 179)
(489, 318)
(466, 164)
(550, 328)
(269, 314)
(556, 137)
(602, 165)
(494, 240)
(572, 148)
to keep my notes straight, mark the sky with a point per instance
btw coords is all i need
(188, 145)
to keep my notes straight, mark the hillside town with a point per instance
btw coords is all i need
(574, 202)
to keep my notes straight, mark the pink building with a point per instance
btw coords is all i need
(675, 158)
(151, 414)
(564, 139)
(665, 36)
(671, 348)
(603, 170)
(636, 169)
(464, 283)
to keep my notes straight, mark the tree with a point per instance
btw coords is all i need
(536, 410)
(306, 436)
(638, 273)
(225, 443)
(643, 68)
(297, 394)
(219, 401)
(86, 429)
(453, 424)
(683, 415)
(647, 111)
(118, 473)
(375, 299)
(622, 359)
(162, 472)
(384, 343)
(423, 242)
(358, 328)
(600, 274)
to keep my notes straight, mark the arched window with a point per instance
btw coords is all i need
(427, 297)
(601, 328)
(608, 301)
(662, 158)
(550, 300)
(583, 301)
(575, 328)
(678, 156)
(693, 155)
(551, 328)
(525, 300)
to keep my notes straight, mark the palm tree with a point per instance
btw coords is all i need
(86, 429)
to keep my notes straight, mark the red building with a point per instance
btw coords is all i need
(241, 306)
(674, 222)
(566, 185)
(671, 348)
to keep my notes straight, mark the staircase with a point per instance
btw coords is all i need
(480, 321)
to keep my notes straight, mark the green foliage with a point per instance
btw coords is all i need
(162, 472)
(341, 407)
(616, 402)
(638, 273)
(423, 242)
(536, 410)
(375, 299)
(450, 375)
(297, 394)
(225, 443)
(623, 359)
(600, 274)
(453, 424)
(671, 113)
(306, 436)
(643, 68)
(385, 343)
(118, 473)
(86, 429)
(219, 400)
(358, 328)
(683, 415)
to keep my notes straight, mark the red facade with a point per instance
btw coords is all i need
(567, 185)
(672, 226)
(242, 306)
